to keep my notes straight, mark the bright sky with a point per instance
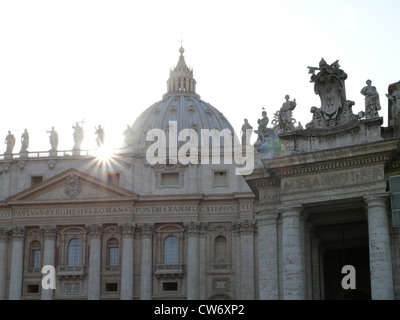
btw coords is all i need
(107, 61)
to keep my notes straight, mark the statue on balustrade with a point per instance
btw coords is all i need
(78, 135)
(24, 141)
(10, 142)
(53, 137)
(372, 104)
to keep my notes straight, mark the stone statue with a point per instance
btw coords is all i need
(24, 141)
(246, 126)
(100, 136)
(372, 104)
(53, 139)
(394, 107)
(10, 141)
(128, 133)
(78, 136)
(286, 121)
(262, 130)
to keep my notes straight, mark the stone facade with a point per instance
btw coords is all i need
(317, 199)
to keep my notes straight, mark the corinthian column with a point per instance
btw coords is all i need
(146, 264)
(3, 261)
(267, 256)
(94, 262)
(380, 259)
(17, 258)
(128, 231)
(192, 289)
(292, 254)
(49, 248)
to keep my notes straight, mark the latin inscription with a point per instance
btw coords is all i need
(55, 212)
(332, 179)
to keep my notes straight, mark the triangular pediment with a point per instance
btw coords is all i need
(72, 186)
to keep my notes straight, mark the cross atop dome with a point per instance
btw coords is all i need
(181, 81)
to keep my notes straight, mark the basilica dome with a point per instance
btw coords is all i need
(181, 104)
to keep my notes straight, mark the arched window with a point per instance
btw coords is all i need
(220, 250)
(35, 252)
(112, 252)
(75, 252)
(171, 250)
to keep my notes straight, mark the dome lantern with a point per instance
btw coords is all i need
(181, 81)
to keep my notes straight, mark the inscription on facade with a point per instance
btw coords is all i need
(88, 211)
(332, 179)
(70, 211)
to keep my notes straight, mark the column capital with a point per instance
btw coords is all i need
(192, 229)
(203, 230)
(4, 232)
(127, 229)
(18, 233)
(49, 232)
(94, 231)
(146, 230)
(247, 227)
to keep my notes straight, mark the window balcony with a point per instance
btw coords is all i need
(33, 272)
(74, 272)
(169, 270)
(217, 268)
(112, 270)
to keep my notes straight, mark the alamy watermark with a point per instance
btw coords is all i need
(165, 147)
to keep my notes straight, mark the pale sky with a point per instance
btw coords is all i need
(107, 61)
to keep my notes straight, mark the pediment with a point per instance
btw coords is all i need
(72, 186)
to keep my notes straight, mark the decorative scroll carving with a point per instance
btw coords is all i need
(127, 230)
(49, 232)
(94, 231)
(4, 232)
(192, 229)
(18, 233)
(147, 231)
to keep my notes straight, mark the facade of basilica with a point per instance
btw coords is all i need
(162, 220)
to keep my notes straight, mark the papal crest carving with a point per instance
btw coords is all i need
(73, 186)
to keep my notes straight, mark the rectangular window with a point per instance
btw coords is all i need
(32, 288)
(114, 257)
(36, 180)
(113, 178)
(170, 179)
(170, 286)
(111, 287)
(36, 255)
(220, 178)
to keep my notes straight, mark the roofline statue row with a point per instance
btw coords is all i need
(78, 136)
(335, 112)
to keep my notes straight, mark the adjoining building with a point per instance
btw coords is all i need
(130, 228)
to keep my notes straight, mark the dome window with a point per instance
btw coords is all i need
(172, 109)
(209, 112)
(191, 109)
